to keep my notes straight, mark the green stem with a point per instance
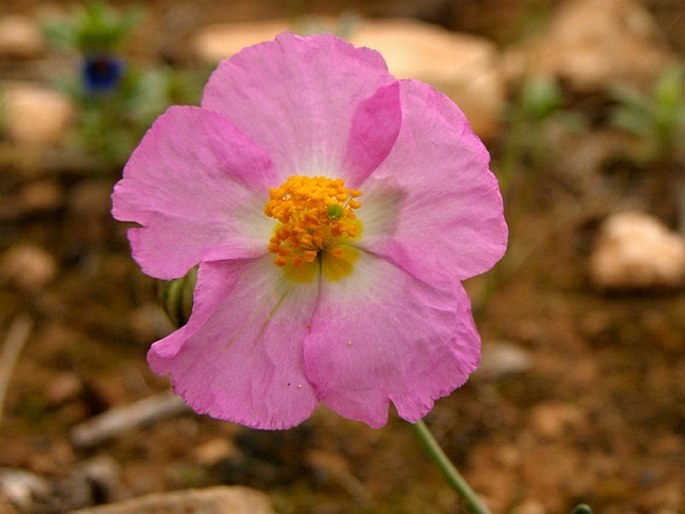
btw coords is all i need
(474, 504)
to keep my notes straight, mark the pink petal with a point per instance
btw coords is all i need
(239, 357)
(380, 335)
(375, 126)
(196, 184)
(295, 98)
(433, 207)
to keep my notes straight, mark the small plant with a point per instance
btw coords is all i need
(97, 32)
(534, 118)
(657, 118)
(110, 125)
(116, 101)
(531, 117)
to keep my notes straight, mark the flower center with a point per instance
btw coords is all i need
(315, 214)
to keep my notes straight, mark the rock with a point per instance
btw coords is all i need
(213, 500)
(503, 358)
(20, 38)
(27, 267)
(34, 114)
(635, 251)
(588, 43)
(462, 66)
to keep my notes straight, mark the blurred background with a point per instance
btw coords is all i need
(581, 392)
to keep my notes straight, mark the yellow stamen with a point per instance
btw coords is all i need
(315, 215)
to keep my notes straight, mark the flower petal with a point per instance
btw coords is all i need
(433, 207)
(295, 97)
(239, 357)
(375, 126)
(195, 184)
(379, 335)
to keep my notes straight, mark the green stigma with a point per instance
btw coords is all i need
(335, 211)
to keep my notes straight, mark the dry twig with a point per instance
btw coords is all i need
(16, 338)
(121, 419)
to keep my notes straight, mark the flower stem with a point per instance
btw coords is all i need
(454, 478)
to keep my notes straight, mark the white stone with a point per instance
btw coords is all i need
(34, 114)
(213, 500)
(635, 250)
(595, 43)
(20, 37)
(464, 67)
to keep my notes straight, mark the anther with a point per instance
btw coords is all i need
(314, 214)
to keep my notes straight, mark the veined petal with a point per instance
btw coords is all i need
(379, 335)
(239, 357)
(433, 207)
(195, 184)
(295, 97)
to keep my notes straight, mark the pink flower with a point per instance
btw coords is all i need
(333, 210)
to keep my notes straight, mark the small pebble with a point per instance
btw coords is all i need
(552, 420)
(503, 358)
(27, 267)
(20, 38)
(25, 108)
(529, 506)
(23, 488)
(214, 451)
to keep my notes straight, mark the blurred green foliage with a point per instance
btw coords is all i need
(110, 126)
(531, 118)
(657, 117)
(93, 28)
